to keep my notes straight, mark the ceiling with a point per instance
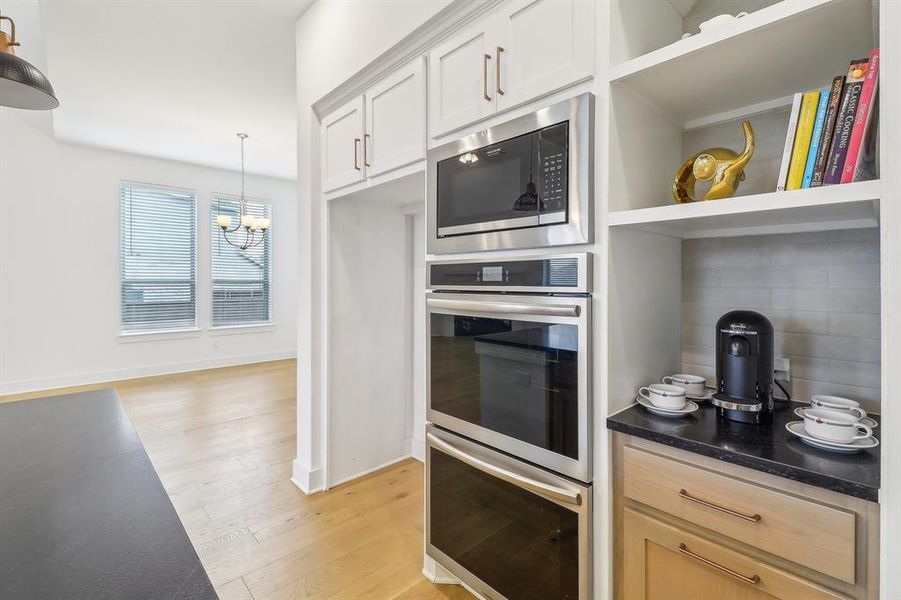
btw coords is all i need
(177, 78)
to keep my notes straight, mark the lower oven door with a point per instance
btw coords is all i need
(506, 529)
(513, 372)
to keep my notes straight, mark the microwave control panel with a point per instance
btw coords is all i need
(553, 167)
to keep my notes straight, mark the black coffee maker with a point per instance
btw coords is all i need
(744, 367)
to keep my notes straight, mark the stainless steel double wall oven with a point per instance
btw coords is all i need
(509, 449)
(508, 444)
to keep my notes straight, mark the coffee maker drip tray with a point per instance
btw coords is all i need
(727, 402)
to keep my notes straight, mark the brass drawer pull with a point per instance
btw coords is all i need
(485, 59)
(753, 579)
(728, 511)
(497, 71)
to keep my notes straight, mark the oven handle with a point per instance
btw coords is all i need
(507, 308)
(543, 489)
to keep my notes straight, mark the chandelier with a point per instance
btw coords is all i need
(249, 231)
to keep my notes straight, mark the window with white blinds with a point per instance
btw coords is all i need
(158, 258)
(242, 287)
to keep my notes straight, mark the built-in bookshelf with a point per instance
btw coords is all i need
(671, 97)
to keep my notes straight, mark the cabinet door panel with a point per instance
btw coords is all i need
(663, 562)
(395, 120)
(543, 46)
(342, 146)
(459, 81)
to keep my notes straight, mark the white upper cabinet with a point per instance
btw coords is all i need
(461, 80)
(342, 146)
(395, 120)
(542, 46)
(523, 50)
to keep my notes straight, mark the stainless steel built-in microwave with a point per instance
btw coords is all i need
(522, 184)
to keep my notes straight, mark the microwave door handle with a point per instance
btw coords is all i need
(542, 489)
(507, 308)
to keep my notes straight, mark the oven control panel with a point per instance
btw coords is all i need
(566, 272)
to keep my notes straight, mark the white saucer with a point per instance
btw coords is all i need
(689, 408)
(871, 423)
(796, 428)
(705, 398)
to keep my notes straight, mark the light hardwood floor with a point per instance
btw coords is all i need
(222, 442)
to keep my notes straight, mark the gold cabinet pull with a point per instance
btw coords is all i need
(753, 579)
(498, 71)
(752, 518)
(366, 138)
(485, 59)
(356, 153)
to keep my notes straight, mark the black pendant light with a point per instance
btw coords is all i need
(21, 84)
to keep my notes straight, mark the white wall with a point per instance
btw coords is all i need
(59, 264)
(335, 39)
(369, 328)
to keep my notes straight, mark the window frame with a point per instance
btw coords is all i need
(178, 332)
(255, 327)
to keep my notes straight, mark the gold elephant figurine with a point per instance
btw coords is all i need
(723, 166)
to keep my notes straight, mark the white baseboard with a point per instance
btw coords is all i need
(64, 381)
(308, 480)
(435, 573)
(418, 450)
(368, 471)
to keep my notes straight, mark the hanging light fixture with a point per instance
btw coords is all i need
(254, 228)
(21, 84)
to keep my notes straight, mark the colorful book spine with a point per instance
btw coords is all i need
(815, 138)
(868, 161)
(789, 142)
(808, 114)
(835, 98)
(861, 117)
(844, 123)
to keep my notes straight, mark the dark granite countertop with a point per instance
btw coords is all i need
(770, 449)
(82, 511)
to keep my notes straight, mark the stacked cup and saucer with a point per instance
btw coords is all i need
(834, 424)
(672, 399)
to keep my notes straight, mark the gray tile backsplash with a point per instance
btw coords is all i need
(820, 290)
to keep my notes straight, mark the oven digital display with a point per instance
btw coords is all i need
(492, 273)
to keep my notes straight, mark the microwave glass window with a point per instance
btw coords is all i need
(519, 543)
(493, 183)
(507, 185)
(515, 377)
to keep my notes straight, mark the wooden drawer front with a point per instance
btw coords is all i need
(662, 562)
(810, 534)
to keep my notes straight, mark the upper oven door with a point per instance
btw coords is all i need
(513, 372)
(525, 183)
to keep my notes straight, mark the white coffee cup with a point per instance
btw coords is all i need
(720, 20)
(694, 385)
(834, 425)
(664, 396)
(838, 403)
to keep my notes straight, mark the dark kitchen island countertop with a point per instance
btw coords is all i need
(82, 511)
(770, 449)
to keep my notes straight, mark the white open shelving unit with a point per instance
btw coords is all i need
(668, 95)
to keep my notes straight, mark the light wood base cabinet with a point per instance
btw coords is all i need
(662, 562)
(690, 527)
